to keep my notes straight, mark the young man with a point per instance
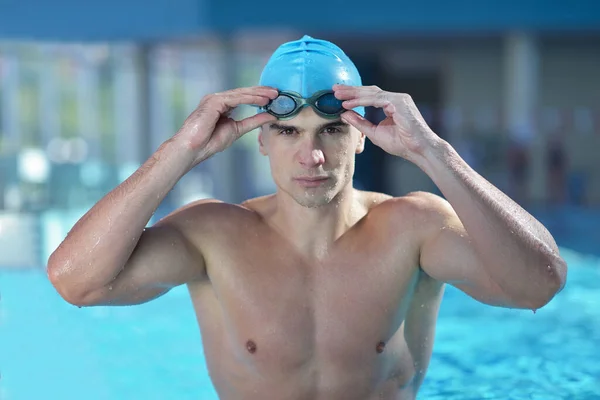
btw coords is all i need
(318, 291)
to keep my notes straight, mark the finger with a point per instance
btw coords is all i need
(366, 101)
(345, 92)
(357, 121)
(389, 110)
(236, 99)
(370, 88)
(247, 124)
(267, 91)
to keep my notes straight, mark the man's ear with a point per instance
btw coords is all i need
(360, 146)
(261, 145)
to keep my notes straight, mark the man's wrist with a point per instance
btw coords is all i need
(431, 154)
(177, 153)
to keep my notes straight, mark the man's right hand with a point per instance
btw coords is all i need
(209, 129)
(94, 265)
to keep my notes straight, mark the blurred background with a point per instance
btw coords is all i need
(87, 93)
(89, 90)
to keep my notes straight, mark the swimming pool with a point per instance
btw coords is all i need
(51, 350)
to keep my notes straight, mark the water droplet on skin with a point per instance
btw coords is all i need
(110, 287)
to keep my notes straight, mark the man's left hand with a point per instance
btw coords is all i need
(403, 132)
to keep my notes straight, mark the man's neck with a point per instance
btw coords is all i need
(314, 230)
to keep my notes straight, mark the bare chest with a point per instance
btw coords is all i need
(280, 309)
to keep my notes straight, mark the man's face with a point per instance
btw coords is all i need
(312, 158)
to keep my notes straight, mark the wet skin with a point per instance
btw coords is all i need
(318, 291)
(356, 324)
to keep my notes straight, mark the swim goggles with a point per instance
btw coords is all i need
(288, 104)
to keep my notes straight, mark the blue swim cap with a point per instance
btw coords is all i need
(309, 65)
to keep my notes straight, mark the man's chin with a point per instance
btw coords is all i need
(314, 199)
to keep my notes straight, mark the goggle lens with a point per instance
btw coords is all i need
(328, 104)
(282, 105)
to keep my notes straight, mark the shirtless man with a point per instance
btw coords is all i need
(318, 291)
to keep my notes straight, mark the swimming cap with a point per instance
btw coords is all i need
(309, 65)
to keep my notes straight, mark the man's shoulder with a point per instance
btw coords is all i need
(415, 203)
(418, 212)
(208, 213)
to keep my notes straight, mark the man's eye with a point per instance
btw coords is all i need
(332, 129)
(286, 132)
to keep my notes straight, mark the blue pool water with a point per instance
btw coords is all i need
(52, 350)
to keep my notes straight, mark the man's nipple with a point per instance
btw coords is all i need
(251, 346)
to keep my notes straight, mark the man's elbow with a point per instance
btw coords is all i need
(553, 281)
(541, 299)
(556, 275)
(67, 290)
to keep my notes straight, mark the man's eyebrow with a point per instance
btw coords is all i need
(280, 127)
(333, 124)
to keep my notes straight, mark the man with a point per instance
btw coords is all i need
(318, 291)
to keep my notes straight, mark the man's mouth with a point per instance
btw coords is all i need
(311, 181)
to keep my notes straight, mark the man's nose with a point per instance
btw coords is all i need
(310, 154)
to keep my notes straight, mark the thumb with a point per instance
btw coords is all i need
(247, 124)
(359, 122)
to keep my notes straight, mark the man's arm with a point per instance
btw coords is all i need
(108, 256)
(483, 242)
